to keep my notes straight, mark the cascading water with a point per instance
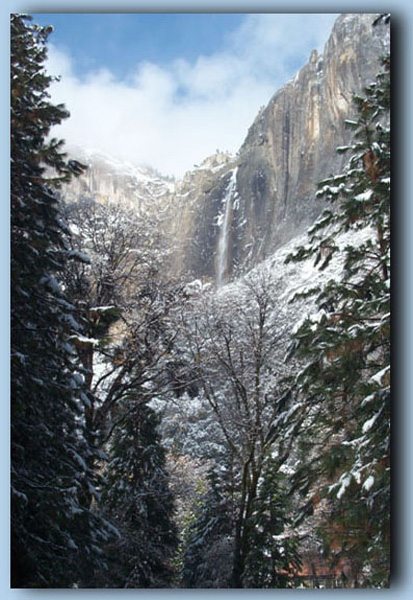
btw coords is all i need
(223, 240)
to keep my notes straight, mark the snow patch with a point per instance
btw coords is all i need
(368, 484)
(370, 422)
(345, 482)
(378, 377)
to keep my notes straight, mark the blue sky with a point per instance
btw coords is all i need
(170, 89)
(118, 41)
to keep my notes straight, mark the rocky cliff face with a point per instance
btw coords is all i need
(233, 211)
(289, 148)
(108, 180)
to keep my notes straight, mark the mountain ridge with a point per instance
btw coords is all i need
(289, 148)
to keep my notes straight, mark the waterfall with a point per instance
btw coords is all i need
(223, 240)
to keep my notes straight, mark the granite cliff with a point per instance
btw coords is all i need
(231, 212)
(289, 148)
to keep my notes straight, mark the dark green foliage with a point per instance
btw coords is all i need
(346, 348)
(137, 499)
(207, 560)
(55, 536)
(273, 558)
(268, 549)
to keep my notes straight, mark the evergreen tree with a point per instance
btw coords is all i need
(55, 536)
(208, 543)
(345, 348)
(271, 547)
(273, 558)
(137, 499)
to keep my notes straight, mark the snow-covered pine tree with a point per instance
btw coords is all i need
(273, 558)
(138, 500)
(55, 537)
(345, 348)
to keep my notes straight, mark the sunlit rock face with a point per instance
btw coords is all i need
(108, 180)
(289, 148)
(231, 212)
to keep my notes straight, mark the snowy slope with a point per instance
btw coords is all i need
(292, 278)
(107, 179)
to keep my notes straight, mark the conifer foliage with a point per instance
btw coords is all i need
(55, 535)
(207, 558)
(137, 499)
(273, 558)
(345, 347)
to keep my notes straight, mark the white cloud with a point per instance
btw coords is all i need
(173, 117)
